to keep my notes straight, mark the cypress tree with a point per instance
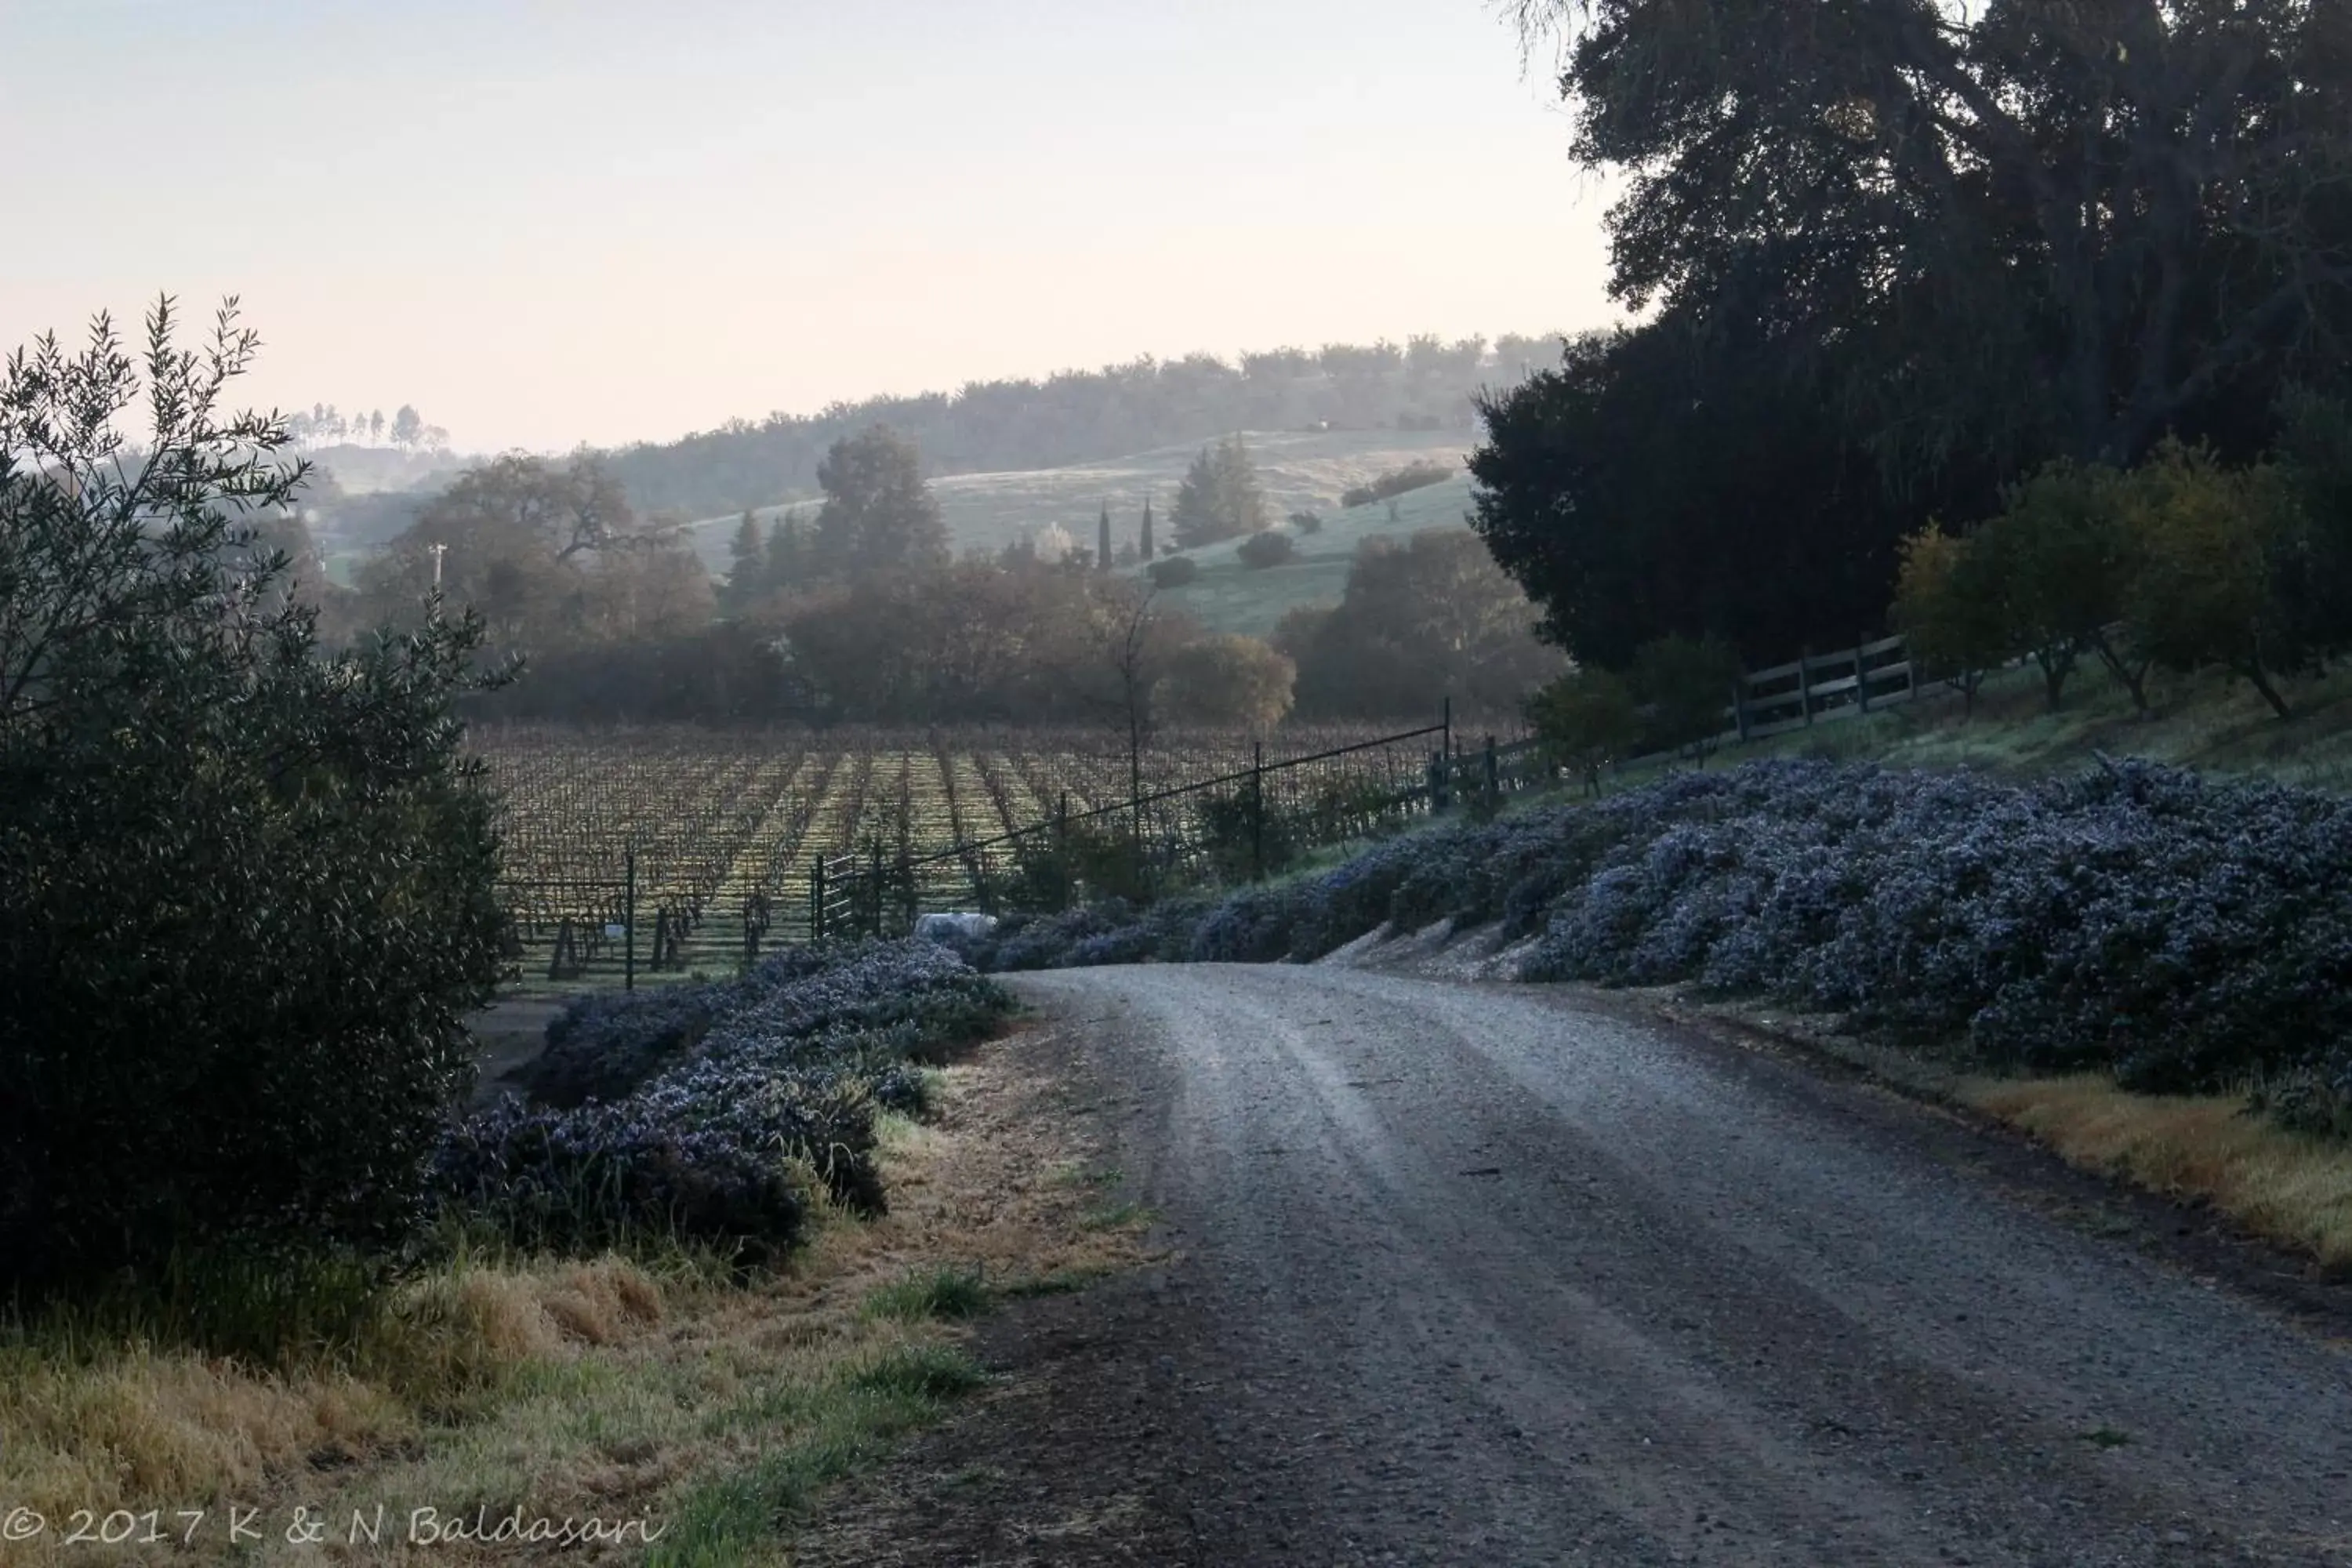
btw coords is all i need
(1102, 541)
(750, 572)
(1144, 549)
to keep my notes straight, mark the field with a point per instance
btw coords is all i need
(1301, 471)
(725, 825)
(1231, 597)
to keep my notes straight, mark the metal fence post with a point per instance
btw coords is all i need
(1861, 680)
(1805, 684)
(816, 902)
(629, 918)
(1494, 776)
(1257, 811)
(1062, 878)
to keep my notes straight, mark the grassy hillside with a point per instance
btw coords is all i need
(1302, 471)
(2206, 721)
(1231, 597)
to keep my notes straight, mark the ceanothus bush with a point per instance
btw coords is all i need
(721, 1087)
(2183, 933)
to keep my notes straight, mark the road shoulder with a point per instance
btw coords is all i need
(1077, 1454)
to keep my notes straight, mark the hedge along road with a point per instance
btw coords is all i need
(1502, 1275)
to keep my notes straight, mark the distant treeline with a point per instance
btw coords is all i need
(1075, 416)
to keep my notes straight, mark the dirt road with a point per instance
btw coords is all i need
(1498, 1275)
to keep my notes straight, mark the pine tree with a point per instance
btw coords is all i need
(1143, 547)
(1102, 541)
(1220, 497)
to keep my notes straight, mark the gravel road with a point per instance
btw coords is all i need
(1490, 1274)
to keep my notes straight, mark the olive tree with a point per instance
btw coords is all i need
(245, 889)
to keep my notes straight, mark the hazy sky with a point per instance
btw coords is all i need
(549, 222)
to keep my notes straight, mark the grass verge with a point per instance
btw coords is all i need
(2293, 1190)
(651, 1387)
(2287, 1187)
(2204, 720)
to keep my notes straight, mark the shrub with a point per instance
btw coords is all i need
(247, 889)
(1587, 719)
(1685, 686)
(1265, 549)
(1174, 570)
(1414, 476)
(1240, 835)
(724, 1086)
(1305, 522)
(1227, 680)
(1949, 609)
(2181, 934)
(2214, 547)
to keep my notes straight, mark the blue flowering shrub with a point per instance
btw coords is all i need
(603, 1047)
(1110, 932)
(2186, 934)
(686, 1110)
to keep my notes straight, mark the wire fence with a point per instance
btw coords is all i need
(1094, 830)
(1228, 829)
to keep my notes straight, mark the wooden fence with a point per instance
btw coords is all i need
(1820, 687)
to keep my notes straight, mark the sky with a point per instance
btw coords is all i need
(547, 224)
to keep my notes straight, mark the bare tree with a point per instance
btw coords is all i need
(1132, 650)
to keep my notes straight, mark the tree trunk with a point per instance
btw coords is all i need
(2132, 680)
(2252, 669)
(2056, 668)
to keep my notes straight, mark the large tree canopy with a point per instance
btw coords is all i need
(1899, 254)
(1421, 620)
(2080, 224)
(1220, 497)
(878, 514)
(552, 555)
(1681, 480)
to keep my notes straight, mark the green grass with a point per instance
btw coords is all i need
(2204, 720)
(1300, 472)
(1075, 1174)
(1058, 1282)
(1117, 1216)
(1231, 597)
(850, 1421)
(949, 1293)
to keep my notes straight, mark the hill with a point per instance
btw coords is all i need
(1231, 597)
(370, 470)
(1078, 417)
(1301, 471)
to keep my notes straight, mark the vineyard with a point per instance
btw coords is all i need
(723, 841)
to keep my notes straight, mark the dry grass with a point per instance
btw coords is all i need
(2294, 1190)
(568, 1389)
